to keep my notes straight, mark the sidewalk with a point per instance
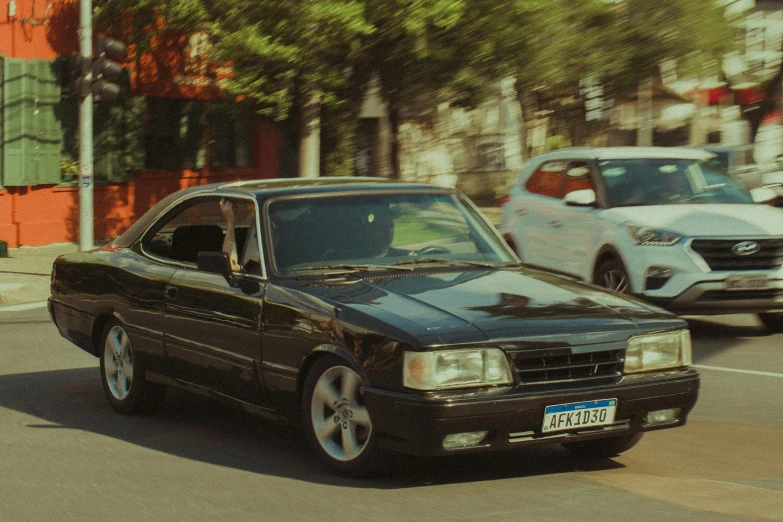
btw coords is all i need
(25, 274)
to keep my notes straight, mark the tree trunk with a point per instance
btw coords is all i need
(310, 136)
(523, 125)
(394, 123)
(644, 113)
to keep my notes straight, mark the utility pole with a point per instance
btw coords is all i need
(86, 221)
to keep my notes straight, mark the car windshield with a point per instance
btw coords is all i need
(666, 181)
(385, 230)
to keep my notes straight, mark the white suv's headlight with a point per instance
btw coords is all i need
(459, 368)
(652, 237)
(658, 351)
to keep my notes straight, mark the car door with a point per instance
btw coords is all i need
(212, 326)
(529, 212)
(572, 230)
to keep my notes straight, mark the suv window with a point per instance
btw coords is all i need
(577, 177)
(546, 180)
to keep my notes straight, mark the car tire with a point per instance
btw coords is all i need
(123, 375)
(603, 448)
(773, 321)
(612, 274)
(336, 422)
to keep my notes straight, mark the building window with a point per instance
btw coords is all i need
(175, 134)
(229, 134)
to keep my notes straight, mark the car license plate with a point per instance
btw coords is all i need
(747, 282)
(577, 415)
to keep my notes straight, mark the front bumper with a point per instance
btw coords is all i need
(696, 289)
(711, 297)
(417, 424)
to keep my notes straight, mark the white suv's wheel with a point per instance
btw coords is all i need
(773, 321)
(612, 274)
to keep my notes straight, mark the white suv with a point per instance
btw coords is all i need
(664, 224)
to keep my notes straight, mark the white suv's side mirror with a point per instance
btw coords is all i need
(763, 194)
(580, 198)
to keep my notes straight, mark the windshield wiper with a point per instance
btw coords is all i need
(350, 269)
(428, 260)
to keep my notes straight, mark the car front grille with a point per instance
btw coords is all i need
(713, 296)
(565, 369)
(718, 254)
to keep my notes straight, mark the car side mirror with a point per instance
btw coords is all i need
(216, 263)
(580, 198)
(763, 194)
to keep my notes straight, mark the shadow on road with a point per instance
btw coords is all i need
(197, 428)
(712, 336)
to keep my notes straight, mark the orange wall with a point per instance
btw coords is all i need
(35, 216)
(39, 29)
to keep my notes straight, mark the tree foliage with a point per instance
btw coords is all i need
(427, 51)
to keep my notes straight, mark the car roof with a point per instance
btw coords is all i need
(606, 153)
(290, 186)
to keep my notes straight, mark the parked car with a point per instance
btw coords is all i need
(664, 224)
(384, 316)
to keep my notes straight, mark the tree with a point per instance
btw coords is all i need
(287, 56)
(620, 43)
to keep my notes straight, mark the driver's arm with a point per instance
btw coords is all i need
(229, 241)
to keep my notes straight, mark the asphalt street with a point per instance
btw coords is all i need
(65, 454)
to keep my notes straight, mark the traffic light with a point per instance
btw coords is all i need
(104, 68)
(78, 67)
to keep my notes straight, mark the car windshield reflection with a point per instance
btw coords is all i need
(379, 231)
(666, 181)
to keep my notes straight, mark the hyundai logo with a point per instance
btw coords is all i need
(746, 248)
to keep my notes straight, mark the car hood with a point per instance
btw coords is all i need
(747, 220)
(481, 305)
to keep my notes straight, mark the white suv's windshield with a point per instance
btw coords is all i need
(665, 181)
(384, 230)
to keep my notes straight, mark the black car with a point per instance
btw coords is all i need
(383, 316)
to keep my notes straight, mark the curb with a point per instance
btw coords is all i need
(22, 307)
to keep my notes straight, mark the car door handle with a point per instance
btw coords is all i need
(555, 224)
(171, 292)
(521, 212)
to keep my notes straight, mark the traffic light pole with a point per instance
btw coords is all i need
(85, 136)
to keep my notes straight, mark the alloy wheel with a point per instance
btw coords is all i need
(616, 280)
(118, 362)
(340, 421)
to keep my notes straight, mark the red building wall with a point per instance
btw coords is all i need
(46, 214)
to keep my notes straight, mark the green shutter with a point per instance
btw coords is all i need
(31, 135)
(14, 123)
(32, 159)
(49, 139)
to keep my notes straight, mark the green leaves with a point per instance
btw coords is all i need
(428, 51)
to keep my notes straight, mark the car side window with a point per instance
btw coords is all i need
(547, 178)
(577, 178)
(201, 226)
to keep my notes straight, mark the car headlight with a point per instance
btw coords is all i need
(460, 368)
(652, 237)
(658, 351)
